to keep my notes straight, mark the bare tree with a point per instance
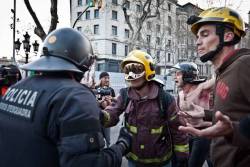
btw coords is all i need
(39, 30)
(148, 9)
(236, 4)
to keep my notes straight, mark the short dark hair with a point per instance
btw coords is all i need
(103, 74)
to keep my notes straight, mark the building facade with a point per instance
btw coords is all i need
(112, 37)
(186, 48)
(123, 25)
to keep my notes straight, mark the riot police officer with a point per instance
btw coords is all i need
(50, 119)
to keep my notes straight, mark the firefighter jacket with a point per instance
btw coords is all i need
(232, 99)
(155, 137)
(52, 121)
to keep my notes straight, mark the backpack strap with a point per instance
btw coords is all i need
(124, 94)
(125, 98)
(164, 101)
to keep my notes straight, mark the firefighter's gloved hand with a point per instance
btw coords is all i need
(104, 117)
(124, 140)
(181, 162)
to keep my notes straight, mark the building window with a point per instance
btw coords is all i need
(158, 28)
(158, 40)
(114, 15)
(138, 8)
(87, 15)
(113, 66)
(169, 7)
(139, 37)
(148, 38)
(78, 14)
(114, 48)
(169, 57)
(96, 13)
(169, 21)
(79, 2)
(200, 67)
(149, 25)
(169, 31)
(127, 5)
(127, 17)
(126, 50)
(79, 29)
(114, 30)
(137, 20)
(126, 33)
(158, 16)
(114, 2)
(88, 1)
(101, 67)
(148, 51)
(207, 69)
(96, 29)
(169, 43)
(158, 53)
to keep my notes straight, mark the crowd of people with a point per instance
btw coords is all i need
(51, 119)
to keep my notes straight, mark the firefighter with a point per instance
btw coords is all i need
(150, 115)
(218, 30)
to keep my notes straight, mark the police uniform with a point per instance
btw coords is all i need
(51, 120)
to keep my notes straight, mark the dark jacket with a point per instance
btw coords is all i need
(232, 97)
(155, 137)
(52, 121)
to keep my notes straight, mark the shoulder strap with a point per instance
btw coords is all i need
(125, 98)
(164, 100)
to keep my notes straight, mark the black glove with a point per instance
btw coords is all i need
(124, 140)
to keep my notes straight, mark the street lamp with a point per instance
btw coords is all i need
(26, 46)
(91, 3)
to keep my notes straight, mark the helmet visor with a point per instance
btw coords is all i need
(132, 76)
(133, 71)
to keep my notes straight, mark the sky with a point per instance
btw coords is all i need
(42, 9)
(26, 23)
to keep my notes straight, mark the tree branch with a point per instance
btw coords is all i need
(54, 16)
(127, 19)
(39, 29)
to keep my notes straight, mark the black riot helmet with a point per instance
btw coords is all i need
(64, 49)
(189, 72)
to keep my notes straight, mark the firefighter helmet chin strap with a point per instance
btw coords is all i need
(212, 54)
(220, 30)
